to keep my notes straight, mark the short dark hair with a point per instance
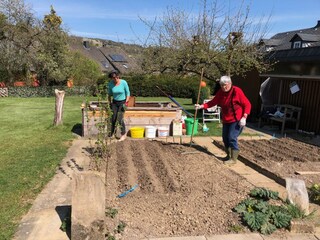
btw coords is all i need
(113, 73)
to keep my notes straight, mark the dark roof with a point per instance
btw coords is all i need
(107, 56)
(306, 37)
(283, 39)
(297, 54)
(271, 42)
(92, 52)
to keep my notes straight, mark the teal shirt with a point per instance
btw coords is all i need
(120, 92)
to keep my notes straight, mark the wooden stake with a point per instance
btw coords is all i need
(195, 114)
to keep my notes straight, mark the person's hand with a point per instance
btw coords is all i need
(242, 122)
(127, 103)
(198, 106)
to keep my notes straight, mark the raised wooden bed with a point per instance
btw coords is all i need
(157, 114)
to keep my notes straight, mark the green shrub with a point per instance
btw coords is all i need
(260, 215)
(204, 94)
(48, 91)
(314, 193)
(175, 86)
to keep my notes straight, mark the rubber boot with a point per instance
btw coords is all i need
(228, 152)
(234, 157)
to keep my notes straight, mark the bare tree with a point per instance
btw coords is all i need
(220, 41)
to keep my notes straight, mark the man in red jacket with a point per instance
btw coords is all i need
(235, 108)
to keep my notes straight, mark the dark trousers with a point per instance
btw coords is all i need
(117, 116)
(230, 134)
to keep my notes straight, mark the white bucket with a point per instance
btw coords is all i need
(176, 128)
(163, 132)
(150, 132)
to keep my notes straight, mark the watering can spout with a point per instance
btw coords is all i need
(205, 128)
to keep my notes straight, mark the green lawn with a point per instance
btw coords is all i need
(31, 149)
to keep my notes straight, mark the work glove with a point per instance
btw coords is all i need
(242, 122)
(198, 106)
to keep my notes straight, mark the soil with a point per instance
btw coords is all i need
(181, 191)
(184, 191)
(284, 157)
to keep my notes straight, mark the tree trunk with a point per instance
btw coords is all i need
(59, 107)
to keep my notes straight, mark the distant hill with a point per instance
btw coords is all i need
(110, 55)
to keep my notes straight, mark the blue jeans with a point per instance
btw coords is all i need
(230, 133)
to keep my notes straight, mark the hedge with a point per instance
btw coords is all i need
(48, 91)
(140, 85)
(144, 86)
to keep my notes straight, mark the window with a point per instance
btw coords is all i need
(304, 45)
(269, 49)
(297, 44)
(117, 58)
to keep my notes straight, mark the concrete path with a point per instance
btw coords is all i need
(52, 205)
(44, 219)
(252, 236)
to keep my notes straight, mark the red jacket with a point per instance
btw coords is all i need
(233, 104)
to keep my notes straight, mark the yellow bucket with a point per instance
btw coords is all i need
(137, 132)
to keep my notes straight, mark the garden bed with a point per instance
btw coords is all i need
(284, 158)
(181, 191)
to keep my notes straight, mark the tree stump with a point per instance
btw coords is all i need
(58, 107)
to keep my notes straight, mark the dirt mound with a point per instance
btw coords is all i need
(181, 190)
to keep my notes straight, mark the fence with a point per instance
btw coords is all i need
(3, 92)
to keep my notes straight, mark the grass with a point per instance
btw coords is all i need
(31, 149)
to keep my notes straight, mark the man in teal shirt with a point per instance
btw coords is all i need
(118, 89)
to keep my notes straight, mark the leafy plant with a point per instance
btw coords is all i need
(260, 215)
(108, 236)
(295, 211)
(111, 212)
(314, 193)
(66, 224)
(264, 194)
(121, 226)
(236, 228)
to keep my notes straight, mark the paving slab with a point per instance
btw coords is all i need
(180, 238)
(250, 236)
(290, 236)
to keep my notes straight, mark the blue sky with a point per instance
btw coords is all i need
(118, 20)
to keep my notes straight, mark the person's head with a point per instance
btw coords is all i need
(225, 83)
(114, 74)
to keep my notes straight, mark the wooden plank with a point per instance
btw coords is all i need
(306, 172)
(144, 114)
(95, 114)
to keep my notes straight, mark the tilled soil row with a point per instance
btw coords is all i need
(281, 158)
(181, 191)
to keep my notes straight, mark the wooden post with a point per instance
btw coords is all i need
(58, 107)
(195, 114)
